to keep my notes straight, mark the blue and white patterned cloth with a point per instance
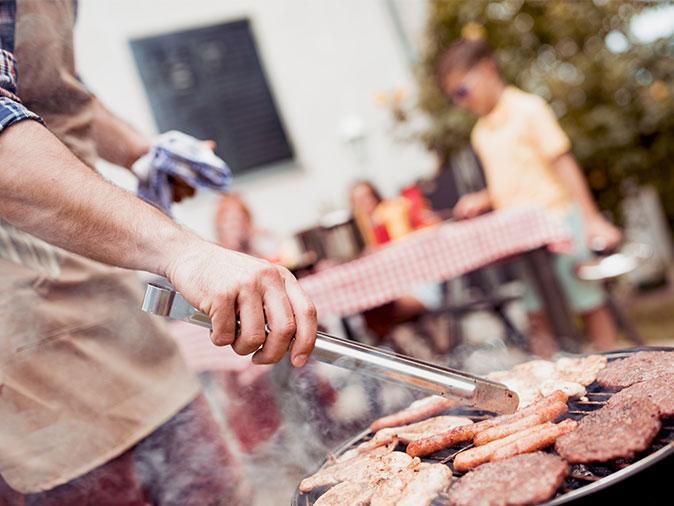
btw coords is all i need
(179, 155)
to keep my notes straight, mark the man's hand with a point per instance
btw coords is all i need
(47, 192)
(120, 143)
(472, 205)
(225, 284)
(601, 234)
(181, 190)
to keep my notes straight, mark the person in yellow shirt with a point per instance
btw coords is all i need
(527, 160)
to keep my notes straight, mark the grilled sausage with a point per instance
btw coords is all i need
(415, 412)
(432, 444)
(469, 459)
(500, 431)
(535, 441)
(457, 435)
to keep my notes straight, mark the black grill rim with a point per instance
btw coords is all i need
(632, 469)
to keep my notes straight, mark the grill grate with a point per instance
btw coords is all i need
(583, 479)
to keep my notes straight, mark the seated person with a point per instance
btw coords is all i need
(527, 160)
(366, 203)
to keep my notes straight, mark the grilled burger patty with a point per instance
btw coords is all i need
(619, 429)
(521, 480)
(642, 366)
(660, 391)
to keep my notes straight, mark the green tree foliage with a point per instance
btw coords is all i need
(616, 104)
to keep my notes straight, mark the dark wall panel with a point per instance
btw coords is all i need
(209, 82)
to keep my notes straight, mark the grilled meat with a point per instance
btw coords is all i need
(619, 429)
(360, 467)
(526, 441)
(473, 457)
(417, 411)
(465, 433)
(426, 446)
(525, 387)
(583, 370)
(538, 440)
(430, 480)
(413, 487)
(423, 429)
(500, 431)
(390, 490)
(538, 378)
(570, 388)
(522, 480)
(387, 440)
(642, 366)
(660, 391)
(353, 494)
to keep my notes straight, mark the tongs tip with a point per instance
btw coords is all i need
(497, 398)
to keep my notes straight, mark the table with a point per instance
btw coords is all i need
(445, 251)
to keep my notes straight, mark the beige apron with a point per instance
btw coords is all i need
(48, 82)
(84, 374)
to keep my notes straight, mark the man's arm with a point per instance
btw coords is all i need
(46, 191)
(472, 205)
(599, 231)
(120, 143)
(116, 140)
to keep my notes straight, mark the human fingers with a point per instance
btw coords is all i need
(181, 190)
(251, 316)
(305, 320)
(280, 319)
(223, 318)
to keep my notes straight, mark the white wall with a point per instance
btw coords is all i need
(325, 60)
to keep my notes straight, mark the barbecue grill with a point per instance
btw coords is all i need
(612, 482)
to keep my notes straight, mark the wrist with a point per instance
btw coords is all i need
(174, 250)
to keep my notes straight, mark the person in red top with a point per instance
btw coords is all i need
(364, 201)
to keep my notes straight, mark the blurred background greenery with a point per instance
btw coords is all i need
(611, 87)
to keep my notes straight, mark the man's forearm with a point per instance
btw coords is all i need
(48, 192)
(116, 140)
(574, 180)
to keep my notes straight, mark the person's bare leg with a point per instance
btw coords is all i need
(601, 328)
(541, 339)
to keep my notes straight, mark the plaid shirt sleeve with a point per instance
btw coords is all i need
(11, 109)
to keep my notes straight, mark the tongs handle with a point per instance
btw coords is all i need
(471, 390)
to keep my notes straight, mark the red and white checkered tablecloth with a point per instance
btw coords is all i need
(431, 256)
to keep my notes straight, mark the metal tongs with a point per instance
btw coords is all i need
(468, 389)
